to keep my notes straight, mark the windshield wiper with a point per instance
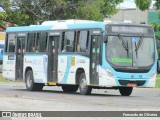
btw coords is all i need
(124, 44)
(139, 44)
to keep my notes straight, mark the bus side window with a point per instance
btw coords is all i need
(82, 41)
(11, 43)
(42, 42)
(31, 42)
(69, 41)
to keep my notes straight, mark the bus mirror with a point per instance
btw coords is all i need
(106, 39)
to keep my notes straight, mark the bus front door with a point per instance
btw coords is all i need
(53, 58)
(19, 57)
(95, 59)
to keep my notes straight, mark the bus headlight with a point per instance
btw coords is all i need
(152, 75)
(109, 73)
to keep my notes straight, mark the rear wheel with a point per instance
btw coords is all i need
(69, 88)
(125, 91)
(29, 81)
(83, 87)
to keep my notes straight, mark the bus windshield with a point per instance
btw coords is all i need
(129, 51)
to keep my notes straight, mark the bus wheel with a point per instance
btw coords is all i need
(125, 91)
(83, 87)
(69, 88)
(29, 81)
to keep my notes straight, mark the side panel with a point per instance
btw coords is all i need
(68, 65)
(9, 66)
(38, 63)
(62, 68)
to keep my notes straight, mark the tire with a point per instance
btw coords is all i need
(125, 91)
(83, 87)
(69, 88)
(29, 81)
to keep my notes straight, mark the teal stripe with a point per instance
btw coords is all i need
(67, 69)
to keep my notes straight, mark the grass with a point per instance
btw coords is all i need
(158, 81)
(2, 79)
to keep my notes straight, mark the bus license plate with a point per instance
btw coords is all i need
(132, 85)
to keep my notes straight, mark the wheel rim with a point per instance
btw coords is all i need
(29, 81)
(83, 84)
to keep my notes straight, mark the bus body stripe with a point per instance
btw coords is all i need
(67, 69)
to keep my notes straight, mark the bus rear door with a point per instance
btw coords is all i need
(53, 44)
(20, 49)
(95, 56)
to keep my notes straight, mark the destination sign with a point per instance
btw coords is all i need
(147, 30)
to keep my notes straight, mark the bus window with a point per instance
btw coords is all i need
(69, 41)
(82, 41)
(11, 43)
(31, 42)
(42, 42)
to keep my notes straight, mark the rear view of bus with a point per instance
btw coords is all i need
(130, 56)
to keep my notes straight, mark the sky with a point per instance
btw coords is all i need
(131, 4)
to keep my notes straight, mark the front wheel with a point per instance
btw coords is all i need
(125, 91)
(29, 81)
(83, 87)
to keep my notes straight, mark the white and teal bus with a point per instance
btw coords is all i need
(81, 54)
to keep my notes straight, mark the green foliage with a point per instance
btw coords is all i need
(159, 15)
(157, 5)
(143, 4)
(2, 79)
(25, 12)
(158, 81)
(11, 13)
(155, 26)
(90, 10)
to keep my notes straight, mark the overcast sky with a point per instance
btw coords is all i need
(130, 4)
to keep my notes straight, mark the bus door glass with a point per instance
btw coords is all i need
(95, 57)
(53, 57)
(20, 49)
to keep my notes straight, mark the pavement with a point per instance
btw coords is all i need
(15, 97)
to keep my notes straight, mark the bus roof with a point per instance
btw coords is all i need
(70, 21)
(68, 24)
(58, 26)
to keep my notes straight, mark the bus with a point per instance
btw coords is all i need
(2, 39)
(84, 55)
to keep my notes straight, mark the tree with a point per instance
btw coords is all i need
(143, 4)
(155, 25)
(157, 5)
(10, 13)
(96, 9)
(25, 12)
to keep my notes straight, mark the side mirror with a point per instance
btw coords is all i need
(105, 38)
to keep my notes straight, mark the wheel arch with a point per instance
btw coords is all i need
(78, 73)
(26, 70)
